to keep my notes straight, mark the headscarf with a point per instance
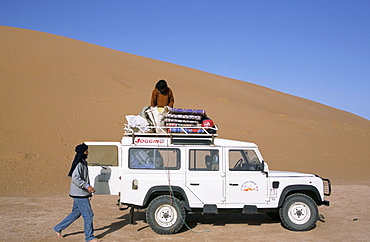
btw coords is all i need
(79, 157)
(161, 84)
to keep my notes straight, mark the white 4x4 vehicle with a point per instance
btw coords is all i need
(171, 175)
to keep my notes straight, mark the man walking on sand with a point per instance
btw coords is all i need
(81, 192)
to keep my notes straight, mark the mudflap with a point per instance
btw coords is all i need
(131, 215)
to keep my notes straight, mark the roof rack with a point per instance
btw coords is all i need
(201, 135)
(170, 130)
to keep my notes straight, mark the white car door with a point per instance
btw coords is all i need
(104, 162)
(246, 184)
(203, 175)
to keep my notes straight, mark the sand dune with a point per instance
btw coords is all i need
(56, 92)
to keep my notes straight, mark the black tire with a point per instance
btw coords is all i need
(299, 212)
(165, 215)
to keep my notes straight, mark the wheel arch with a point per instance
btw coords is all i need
(156, 191)
(308, 190)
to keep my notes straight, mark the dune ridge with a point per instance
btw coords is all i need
(56, 92)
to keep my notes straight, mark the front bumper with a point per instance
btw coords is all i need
(326, 203)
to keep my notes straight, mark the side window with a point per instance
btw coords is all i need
(159, 159)
(244, 160)
(203, 160)
(103, 155)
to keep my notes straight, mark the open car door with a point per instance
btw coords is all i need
(104, 161)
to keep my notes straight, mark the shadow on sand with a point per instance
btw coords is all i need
(192, 220)
(123, 221)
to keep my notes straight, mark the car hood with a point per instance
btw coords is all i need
(289, 174)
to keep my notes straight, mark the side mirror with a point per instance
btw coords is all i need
(263, 169)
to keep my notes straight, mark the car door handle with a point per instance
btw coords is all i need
(194, 184)
(233, 184)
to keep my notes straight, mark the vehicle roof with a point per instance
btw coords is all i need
(229, 142)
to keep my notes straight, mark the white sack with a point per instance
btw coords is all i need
(137, 123)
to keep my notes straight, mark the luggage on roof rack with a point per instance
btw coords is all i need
(169, 120)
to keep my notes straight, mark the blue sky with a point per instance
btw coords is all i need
(319, 50)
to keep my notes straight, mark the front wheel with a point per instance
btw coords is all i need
(299, 212)
(165, 215)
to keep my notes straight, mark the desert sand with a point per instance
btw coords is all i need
(347, 219)
(57, 92)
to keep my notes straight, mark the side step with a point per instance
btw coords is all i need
(210, 209)
(249, 209)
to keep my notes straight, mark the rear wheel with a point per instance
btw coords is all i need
(165, 215)
(299, 212)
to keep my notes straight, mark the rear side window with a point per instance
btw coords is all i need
(203, 160)
(154, 158)
(103, 155)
